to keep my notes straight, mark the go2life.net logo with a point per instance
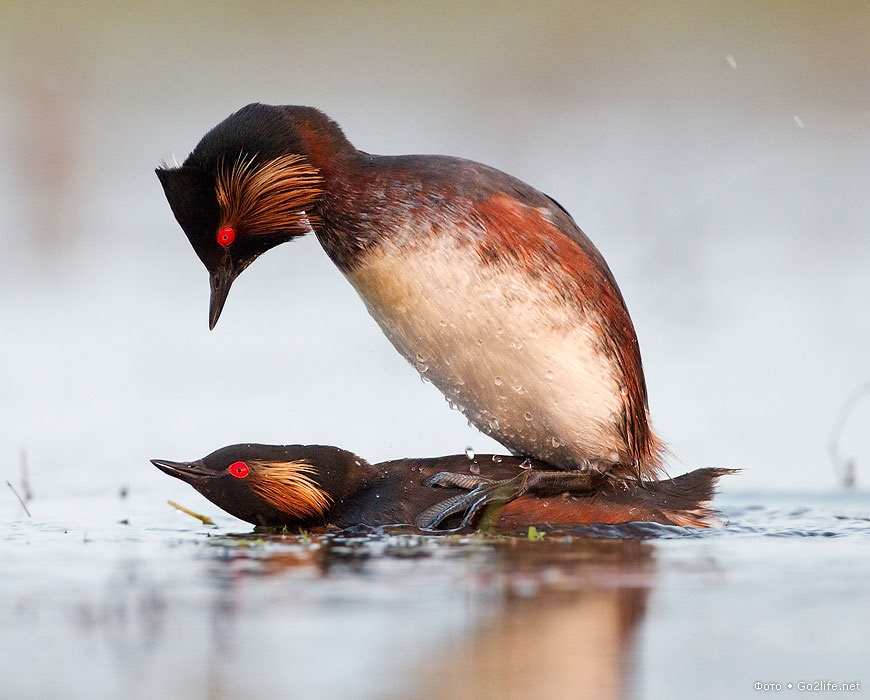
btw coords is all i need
(809, 686)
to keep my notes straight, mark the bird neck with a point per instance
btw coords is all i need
(340, 473)
(321, 141)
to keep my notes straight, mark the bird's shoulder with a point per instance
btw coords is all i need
(518, 214)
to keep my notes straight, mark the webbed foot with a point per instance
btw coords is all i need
(483, 492)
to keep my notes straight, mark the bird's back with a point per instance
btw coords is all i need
(492, 292)
(401, 495)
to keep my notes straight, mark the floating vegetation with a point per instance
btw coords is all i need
(204, 519)
(536, 535)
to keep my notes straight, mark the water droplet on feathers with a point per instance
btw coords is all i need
(469, 452)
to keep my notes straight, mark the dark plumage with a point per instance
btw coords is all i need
(315, 486)
(485, 284)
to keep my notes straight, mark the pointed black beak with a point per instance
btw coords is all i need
(221, 280)
(186, 471)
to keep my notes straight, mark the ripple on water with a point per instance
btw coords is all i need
(162, 587)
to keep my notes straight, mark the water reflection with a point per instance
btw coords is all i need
(130, 616)
(166, 607)
(566, 625)
(544, 616)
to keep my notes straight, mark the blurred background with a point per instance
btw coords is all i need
(716, 153)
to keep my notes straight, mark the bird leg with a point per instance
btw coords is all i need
(453, 480)
(483, 492)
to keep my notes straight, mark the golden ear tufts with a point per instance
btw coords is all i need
(289, 487)
(271, 196)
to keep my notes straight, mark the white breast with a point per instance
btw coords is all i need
(523, 365)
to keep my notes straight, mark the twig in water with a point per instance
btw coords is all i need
(25, 479)
(20, 500)
(204, 519)
(845, 466)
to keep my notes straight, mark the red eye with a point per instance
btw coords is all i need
(239, 470)
(226, 235)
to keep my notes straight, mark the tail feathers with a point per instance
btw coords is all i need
(685, 500)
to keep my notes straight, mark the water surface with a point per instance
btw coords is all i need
(106, 597)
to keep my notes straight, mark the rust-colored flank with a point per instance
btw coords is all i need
(529, 237)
